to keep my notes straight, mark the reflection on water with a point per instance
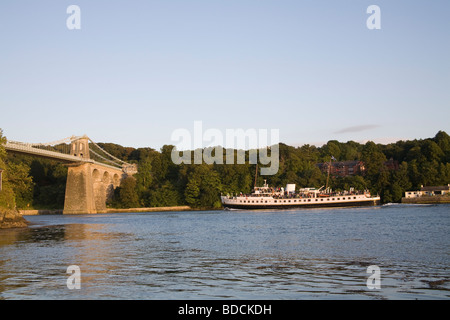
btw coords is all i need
(44, 253)
(299, 254)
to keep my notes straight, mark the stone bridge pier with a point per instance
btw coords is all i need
(89, 186)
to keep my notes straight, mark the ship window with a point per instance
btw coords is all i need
(332, 199)
(253, 201)
(266, 201)
(321, 199)
(275, 201)
(317, 199)
(354, 197)
(240, 201)
(328, 199)
(295, 200)
(309, 200)
(289, 200)
(339, 198)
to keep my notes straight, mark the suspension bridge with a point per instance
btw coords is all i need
(93, 173)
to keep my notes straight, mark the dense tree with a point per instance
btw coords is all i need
(165, 196)
(331, 149)
(40, 183)
(21, 183)
(144, 179)
(7, 197)
(443, 141)
(203, 187)
(126, 195)
(117, 151)
(373, 158)
(49, 183)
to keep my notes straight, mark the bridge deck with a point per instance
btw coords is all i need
(27, 149)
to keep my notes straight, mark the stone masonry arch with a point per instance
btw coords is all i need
(89, 186)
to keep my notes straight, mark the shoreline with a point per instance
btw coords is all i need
(11, 219)
(108, 210)
(427, 200)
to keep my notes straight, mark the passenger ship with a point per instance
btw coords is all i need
(271, 198)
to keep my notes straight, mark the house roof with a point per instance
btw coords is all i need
(342, 163)
(436, 188)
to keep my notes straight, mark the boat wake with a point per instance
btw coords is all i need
(231, 209)
(393, 204)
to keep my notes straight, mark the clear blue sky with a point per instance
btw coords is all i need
(138, 70)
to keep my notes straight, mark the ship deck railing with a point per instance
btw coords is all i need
(298, 195)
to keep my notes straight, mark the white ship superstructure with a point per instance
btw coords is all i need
(279, 198)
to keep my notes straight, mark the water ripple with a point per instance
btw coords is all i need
(315, 254)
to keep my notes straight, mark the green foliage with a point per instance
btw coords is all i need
(126, 195)
(7, 197)
(37, 183)
(165, 196)
(373, 159)
(203, 187)
(144, 179)
(159, 182)
(49, 183)
(21, 183)
(124, 153)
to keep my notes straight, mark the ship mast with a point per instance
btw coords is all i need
(256, 174)
(328, 175)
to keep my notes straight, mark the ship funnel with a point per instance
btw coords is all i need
(290, 188)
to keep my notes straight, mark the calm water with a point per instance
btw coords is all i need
(298, 254)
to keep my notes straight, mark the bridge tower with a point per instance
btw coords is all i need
(89, 185)
(80, 147)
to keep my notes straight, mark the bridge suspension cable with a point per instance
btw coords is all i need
(117, 159)
(61, 149)
(53, 143)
